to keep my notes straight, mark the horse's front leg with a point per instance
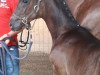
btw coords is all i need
(58, 60)
(55, 70)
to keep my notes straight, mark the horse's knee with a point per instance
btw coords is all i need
(57, 57)
(54, 57)
(54, 64)
(55, 70)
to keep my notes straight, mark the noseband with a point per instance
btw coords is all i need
(36, 9)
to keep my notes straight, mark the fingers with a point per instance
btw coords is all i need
(2, 37)
(6, 41)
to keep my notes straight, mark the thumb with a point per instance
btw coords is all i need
(4, 36)
(7, 41)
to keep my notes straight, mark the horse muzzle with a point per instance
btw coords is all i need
(16, 25)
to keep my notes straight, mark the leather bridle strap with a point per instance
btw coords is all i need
(5, 49)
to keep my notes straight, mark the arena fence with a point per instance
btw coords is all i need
(38, 61)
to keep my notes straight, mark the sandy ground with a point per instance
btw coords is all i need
(38, 62)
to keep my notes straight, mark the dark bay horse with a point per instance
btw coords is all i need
(75, 51)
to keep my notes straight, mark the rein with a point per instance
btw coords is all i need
(3, 59)
(5, 49)
(27, 25)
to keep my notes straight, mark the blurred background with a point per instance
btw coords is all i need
(37, 62)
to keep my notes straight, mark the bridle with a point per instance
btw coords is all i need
(24, 20)
(36, 8)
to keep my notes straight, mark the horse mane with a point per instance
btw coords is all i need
(62, 5)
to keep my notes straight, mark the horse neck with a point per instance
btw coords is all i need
(53, 24)
(56, 21)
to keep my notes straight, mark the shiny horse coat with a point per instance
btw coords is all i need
(75, 49)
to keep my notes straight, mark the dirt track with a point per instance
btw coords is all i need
(38, 61)
(37, 64)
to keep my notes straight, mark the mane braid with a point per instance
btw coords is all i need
(62, 5)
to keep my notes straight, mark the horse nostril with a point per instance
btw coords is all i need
(12, 24)
(12, 21)
(15, 25)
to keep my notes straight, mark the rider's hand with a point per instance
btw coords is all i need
(4, 36)
(10, 34)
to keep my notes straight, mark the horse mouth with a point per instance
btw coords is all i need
(16, 25)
